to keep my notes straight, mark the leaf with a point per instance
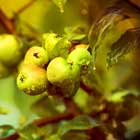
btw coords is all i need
(60, 4)
(62, 47)
(54, 137)
(128, 41)
(15, 106)
(7, 131)
(78, 123)
(124, 104)
(75, 33)
(100, 32)
(119, 95)
(101, 27)
(109, 28)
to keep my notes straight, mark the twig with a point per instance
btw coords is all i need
(7, 23)
(71, 106)
(71, 112)
(91, 91)
(54, 119)
(22, 9)
(135, 3)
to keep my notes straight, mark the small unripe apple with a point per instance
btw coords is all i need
(58, 70)
(49, 42)
(64, 77)
(10, 49)
(36, 55)
(32, 79)
(79, 56)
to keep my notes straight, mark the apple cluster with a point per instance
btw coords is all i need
(50, 67)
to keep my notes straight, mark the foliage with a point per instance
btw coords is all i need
(81, 80)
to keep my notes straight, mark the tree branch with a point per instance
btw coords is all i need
(71, 111)
(54, 119)
(22, 9)
(7, 23)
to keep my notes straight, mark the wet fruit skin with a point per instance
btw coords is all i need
(32, 79)
(36, 55)
(10, 49)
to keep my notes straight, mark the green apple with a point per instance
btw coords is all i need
(79, 56)
(58, 70)
(36, 55)
(10, 49)
(32, 79)
(64, 77)
(49, 42)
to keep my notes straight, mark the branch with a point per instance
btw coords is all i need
(71, 111)
(54, 119)
(135, 2)
(22, 9)
(7, 23)
(91, 91)
(71, 106)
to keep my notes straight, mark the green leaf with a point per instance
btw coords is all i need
(54, 137)
(102, 32)
(8, 131)
(109, 29)
(15, 106)
(60, 4)
(119, 95)
(101, 27)
(128, 41)
(63, 46)
(78, 123)
(75, 33)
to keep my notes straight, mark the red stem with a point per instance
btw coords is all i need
(7, 23)
(54, 119)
